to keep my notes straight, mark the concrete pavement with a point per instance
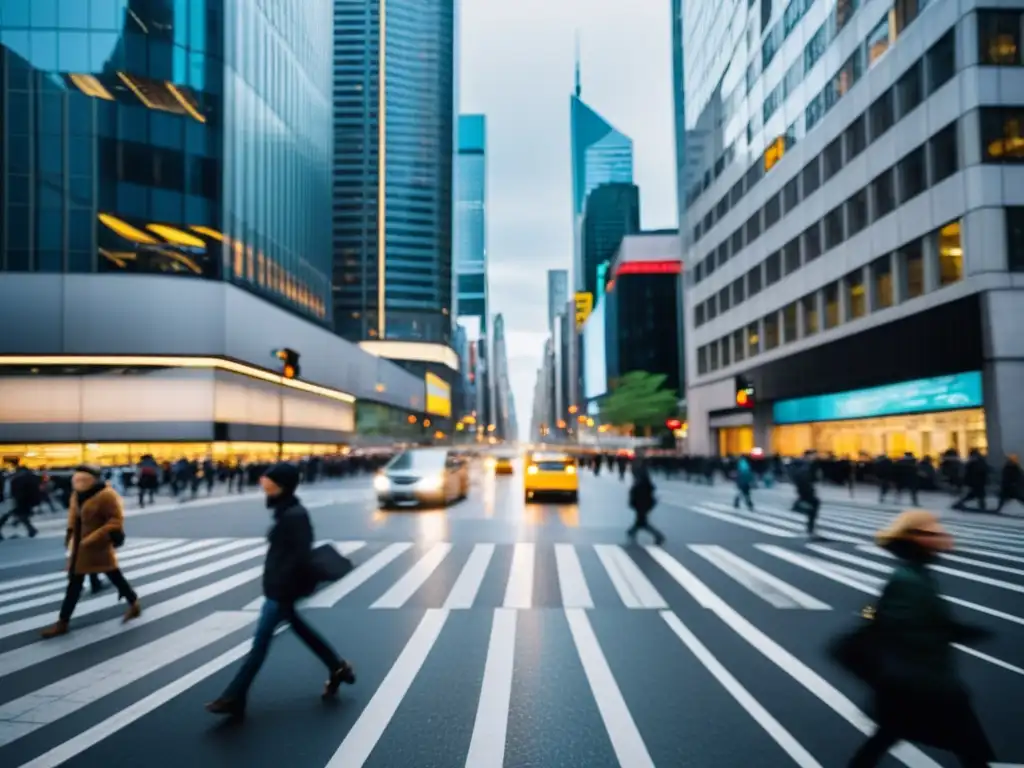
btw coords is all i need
(493, 633)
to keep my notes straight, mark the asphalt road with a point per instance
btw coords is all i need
(493, 633)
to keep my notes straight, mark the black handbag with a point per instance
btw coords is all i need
(859, 651)
(325, 565)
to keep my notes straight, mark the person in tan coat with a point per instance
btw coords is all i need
(95, 516)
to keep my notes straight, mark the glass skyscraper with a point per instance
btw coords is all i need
(470, 221)
(393, 122)
(189, 139)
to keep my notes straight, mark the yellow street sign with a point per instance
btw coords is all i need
(584, 306)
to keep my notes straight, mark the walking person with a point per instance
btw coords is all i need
(642, 501)
(807, 500)
(1011, 482)
(976, 479)
(744, 482)
(905, 654)
(24, 486)
(285, 575)
(95, 520)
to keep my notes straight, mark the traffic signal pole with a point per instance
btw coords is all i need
(288, 362)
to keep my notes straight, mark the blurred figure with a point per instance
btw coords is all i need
(1010, 482)
(149, 479)
(918, 694)
(284, 576)
(807, 500)
(975, 478)
(642, 501)
(24, 487)
(95, 516)
(744, 482)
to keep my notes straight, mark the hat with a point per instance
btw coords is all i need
(917, 525)
(90, 469)
(284, 475)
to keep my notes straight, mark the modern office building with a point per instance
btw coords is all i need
(394, 135)
(164, 209)
(501, 420)
(854, 242)
(611, 212)
(471, 221)
(558, 294)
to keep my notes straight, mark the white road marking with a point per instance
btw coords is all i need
(634, 588)
(416, 577)
(467, 585)
(573, 585)
(769, 588)
(487, 745)
(743, 522)
(345, 548)
(329, 596)
(519, 591)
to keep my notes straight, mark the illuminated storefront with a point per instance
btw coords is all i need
(926, 417)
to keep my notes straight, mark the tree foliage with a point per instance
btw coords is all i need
(638, 399)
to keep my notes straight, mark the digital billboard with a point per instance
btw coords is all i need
(595, 366)
(439, 396)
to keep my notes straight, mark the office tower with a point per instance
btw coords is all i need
(558, 294)
(612, 211)
(845, 258)
(471, 222)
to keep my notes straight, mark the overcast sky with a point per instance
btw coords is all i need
(517, 69)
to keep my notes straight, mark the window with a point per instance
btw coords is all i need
(831, 305)
(811, 322)
(881, 278)
(951, 255)
(739, 344)
(832, 158)
(879, 40)
(773, 268)
(812, 177)
(791, 256)
(709, 220)
(712, 305)
(736, 241)
(723, 299)
(856, 138)
(773, 210)
(713, 356)
(723, 253)
(791, 194)
(943, 147)
(850, 73)
(911, 171)
(883, 193)
(771, 331)
(754, 281)
(910, 90)
(816, 47)
(702, 360)
(913, 261)
(856, 295)
(882, 114)
(726, 344)
(736, 193)
(812, 242)
(834, 233)
(1002, 134)
(753, 340)
(709, 263)
(753, 227)
(1015, 238)
(698, 315)
(738, 294)
(999, 38)
(722, 207)
(940, 61)
(857, 212)
(789, 323)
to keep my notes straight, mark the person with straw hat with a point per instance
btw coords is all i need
(918, 693)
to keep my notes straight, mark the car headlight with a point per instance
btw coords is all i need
(532, 469)
(571, 469)
(490, 463)
(431, 483)
(381, 484)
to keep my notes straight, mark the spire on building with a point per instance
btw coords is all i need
(579, 85)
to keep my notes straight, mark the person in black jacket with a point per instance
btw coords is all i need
(25, 491)
(285, 577)
(976, 479)
(642, 500)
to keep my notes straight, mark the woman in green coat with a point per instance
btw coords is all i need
(918, 693)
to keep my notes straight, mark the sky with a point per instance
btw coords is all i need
(517, 68)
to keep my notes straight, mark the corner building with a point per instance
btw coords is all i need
(854, 239)
(164, 224)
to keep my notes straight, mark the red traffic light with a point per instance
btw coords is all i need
(673, 424)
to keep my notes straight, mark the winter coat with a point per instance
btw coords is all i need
(744, 475)
(88, 533)
(285, 572)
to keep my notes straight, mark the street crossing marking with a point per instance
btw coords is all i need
(761, 583)
(573, 585)
(634, 589)
(467, 585)
(771, 530)
(407, 586)
(329, 597)
(519, 593)
(487, 745)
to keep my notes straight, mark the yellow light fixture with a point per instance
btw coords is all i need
(174, 361)
(176, 236)
(126, 230)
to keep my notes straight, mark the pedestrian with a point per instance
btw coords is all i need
(744, 481)
(905, 654)
(95, 520)
(1011, 480)
(285, 577)
(642, 501)
(807, 500)
(25, 490)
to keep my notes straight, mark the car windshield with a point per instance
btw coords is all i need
(418, 460)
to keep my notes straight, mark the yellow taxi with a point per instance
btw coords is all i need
(500, 465)
(551, 473)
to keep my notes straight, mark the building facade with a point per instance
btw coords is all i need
(394, 135)
(471, 223)
(611, 212)
(854, 240)
(558, 294)
(164, 199)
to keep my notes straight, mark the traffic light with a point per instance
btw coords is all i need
(289, 362)
(744, 393)
(673, 424)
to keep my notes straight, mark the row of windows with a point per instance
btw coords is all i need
(891, 279)
(926, 75)
(894, 186)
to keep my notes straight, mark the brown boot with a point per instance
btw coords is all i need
(133, 612)
(58, 629)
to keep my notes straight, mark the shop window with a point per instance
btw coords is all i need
(944, 150)
(1015, 238)
(791, 256)
(789, 323)
(1002, 134)
(739, 344)
(791, 194)
(753, 227)
(999, 38)
(736, 241)
(881, 277)
(812, 242)
(856, 295)
(910, 90)
(726, 347)
(773, 210)
(857, 212)
(856, 138)
(723, 253)
(913, 264)
(882, 114)
(773, 268)
(723, 299)
(738, 294)
(951, 255)
(940, 61)
(713, 356)
(753, 340)
(702, 360)
(832, 158)
(812, 177)
(912, 178)
(883, 193)
(834, 233)
(831, 305)
(879, 40)
(771, 331)
(812, 323)
(754, 284)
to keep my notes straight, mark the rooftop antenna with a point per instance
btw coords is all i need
(579, 86)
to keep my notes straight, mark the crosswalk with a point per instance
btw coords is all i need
(503, 647)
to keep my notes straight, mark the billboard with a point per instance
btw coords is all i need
(584, 306)
(595, 366)
(439, 396)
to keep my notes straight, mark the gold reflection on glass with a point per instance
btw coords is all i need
(176, 236)
(211, 233)
(951, 254)
(90, 86)
(185, 103)
(126, 230)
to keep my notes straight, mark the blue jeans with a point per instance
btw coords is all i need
(271, 615)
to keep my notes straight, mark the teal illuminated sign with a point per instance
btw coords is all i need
(943, 393)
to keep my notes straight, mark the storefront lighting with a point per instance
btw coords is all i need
(176, 236)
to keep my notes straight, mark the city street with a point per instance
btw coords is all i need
(492, 633)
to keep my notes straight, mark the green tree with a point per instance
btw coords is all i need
(639, 400)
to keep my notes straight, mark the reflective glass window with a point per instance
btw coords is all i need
(881, 276)
(951, 254)
(1000, 38)
(1002, 134)
(810, 312)
(1015, 238)
(44, 13)
(831, 305)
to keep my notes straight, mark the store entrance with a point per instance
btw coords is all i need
(735, 441)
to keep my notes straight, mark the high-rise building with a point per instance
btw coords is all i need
(471, 222)
(612, 211)
(394, 133)
(558, 294)
(851, 238)
(164, 223)
(502, 412)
